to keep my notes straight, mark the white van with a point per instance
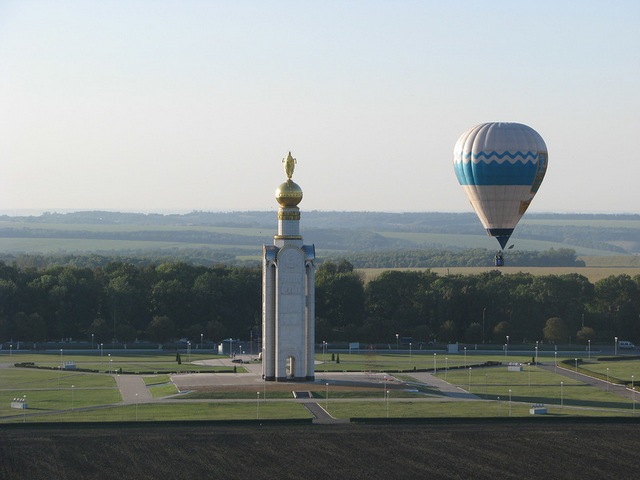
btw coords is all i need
(625, 344)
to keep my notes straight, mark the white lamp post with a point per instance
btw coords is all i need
(465, 356)
(72, 405)
(561, 394)
(387, 403)
(589, 348)
(136, 407)
(446, 367)
(506, 348)
(397, 341)
(576, 369)
(326, 397)
(410, 351)
(509, 402)
(615, 346)
(555, 362)
(257, 405)
(607, 379)
(469, 380)
(486, 381)
(484, 311)
(435, 364)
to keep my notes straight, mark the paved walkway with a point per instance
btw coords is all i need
(133, 389)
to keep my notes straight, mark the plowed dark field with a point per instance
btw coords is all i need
(435, 450)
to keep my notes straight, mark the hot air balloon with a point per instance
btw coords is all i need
(500, 166)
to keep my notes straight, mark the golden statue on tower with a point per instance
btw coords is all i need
(289, 165)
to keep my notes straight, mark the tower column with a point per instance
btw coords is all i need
(288, 307)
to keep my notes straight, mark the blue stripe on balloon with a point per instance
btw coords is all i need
(494, 173)
(489, 156)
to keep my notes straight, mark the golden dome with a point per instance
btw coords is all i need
(289, 194)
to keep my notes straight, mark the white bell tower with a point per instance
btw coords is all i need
(288, 301)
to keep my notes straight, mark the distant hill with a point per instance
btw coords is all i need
(221, 236)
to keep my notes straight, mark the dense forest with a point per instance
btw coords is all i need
(123, 302)
(399, 258)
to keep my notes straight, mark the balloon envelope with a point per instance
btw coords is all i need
(500, 166)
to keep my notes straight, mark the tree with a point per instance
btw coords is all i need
(100, 329)
(473, 334)
(619, 298)
(501, 330)
(29, 327)
(448, 332)
(400, 302)
(585, 334)
(555, 330)
(340, 298)
(161, 329)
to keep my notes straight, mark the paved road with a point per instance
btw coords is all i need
(619, 390)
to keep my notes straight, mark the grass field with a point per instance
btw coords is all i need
(115, 228)
(249, 238)
(55, 395)
(429, 240)
(125, 362)
(73, 245)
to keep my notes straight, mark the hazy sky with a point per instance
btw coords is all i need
(191, 105)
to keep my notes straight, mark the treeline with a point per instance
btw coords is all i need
(396, 258)
(474, 308)
(171, 300)
(125, 302)
(562, 257)
(139, 258)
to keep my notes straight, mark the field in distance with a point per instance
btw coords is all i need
(605, 240)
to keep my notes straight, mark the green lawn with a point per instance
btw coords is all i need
(625, 370)
(129, 363)
(174, 412)
(159, 391)
(156, 380)
(532, 385)
(65, 395)
(471, 409)
(384, 361)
